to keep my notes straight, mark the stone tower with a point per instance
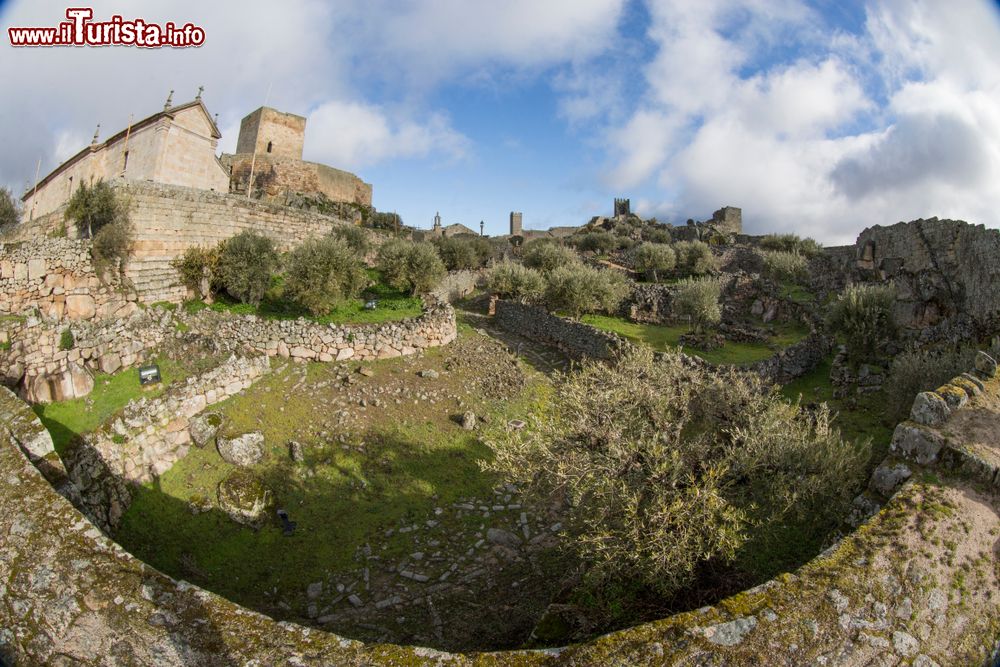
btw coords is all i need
(437, 224)
(728, 219)
(515, 223)
(268, 131)
(623, 208)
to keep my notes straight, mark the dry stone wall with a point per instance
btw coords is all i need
(574, 339)
(304, 340)
(48, 371)
(148, 438)
(56, 277)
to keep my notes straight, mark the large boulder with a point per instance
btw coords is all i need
(245, 498)
(244, 450)
(80, 307)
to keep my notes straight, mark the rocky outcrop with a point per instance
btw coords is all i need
(942, 269)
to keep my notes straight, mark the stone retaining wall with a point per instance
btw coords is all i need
(57, 277)
(574, 339)
(458, 284)
(147, 439)
(72, 596)
(304, 340)
(51, 373)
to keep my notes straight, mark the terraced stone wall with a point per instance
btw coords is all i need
(574, 339)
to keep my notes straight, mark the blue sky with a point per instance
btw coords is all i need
(819, 117)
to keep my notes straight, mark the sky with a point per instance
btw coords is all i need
(819, 118)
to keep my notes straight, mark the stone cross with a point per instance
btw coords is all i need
(97, 132)
(169, 102)
(201, 89)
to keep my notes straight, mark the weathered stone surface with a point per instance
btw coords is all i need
(469, 420)
(503, 538)
(80, 307)
(886, 479)
(204, 428)
(986, 365)
(929, 409)
(917, 443)
(732, 633)
(296, 451)
(244, 497)
(244, 450)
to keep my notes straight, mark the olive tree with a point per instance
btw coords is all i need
(515, 281)
(246, 263)
(659, 466)
(694, 258)
(322, 273)
(654, 259)
(93, 207)
(697, 300)
(10, 211)
(405, 265)
(546, 255)
(578, 289)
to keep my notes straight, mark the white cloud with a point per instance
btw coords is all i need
(357, 135)
(793, 132)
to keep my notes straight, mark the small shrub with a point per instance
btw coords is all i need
(95, 206)
(863, 314)
(654, 260)
(321, 273)
(66, 340)
(597, 242)
(697, 299)
(546, 255)
(790, 243)
(694, 258)
(246, 263)
(355, 237)
(196, 265)
(111, 245)
(915, 371)
(578, 289)
(784, 266)
(656, 235)
(511, 280)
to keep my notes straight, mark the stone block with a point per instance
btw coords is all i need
(916, 442)
(110, 363)
(886, 479)
(986, 365)
(36, 269)
(930, 409)
(80, 307)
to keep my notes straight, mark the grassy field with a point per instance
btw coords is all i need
(68, 419)
(392, 305)
(662, 337)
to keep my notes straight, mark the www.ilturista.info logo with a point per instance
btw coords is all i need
(79, 30)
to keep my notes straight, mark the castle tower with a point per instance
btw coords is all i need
(623, 208)
(515, 223)
(437, 223)
(268, 131)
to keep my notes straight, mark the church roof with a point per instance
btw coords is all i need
(149, 120)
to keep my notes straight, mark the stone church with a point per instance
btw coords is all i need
(177, 146)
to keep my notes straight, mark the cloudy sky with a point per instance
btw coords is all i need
(819, 117)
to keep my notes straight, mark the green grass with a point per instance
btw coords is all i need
(661, 337)
(5, 346)
(342, 497)
(796, 293)
(67, 419)
(393, 305)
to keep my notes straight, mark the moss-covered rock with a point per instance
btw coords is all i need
(245, 498)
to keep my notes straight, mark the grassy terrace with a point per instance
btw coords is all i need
(393, 305)
(66, 420)
(661, 337)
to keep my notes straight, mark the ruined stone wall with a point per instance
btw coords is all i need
(147, 439)
(276, 176)
(57, 277)
(575, 339)
(458, 284)
(303, 340)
